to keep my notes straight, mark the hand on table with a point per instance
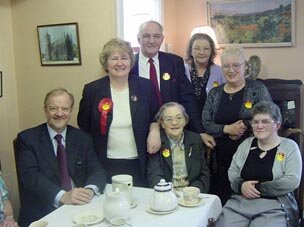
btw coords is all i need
(249, 191)
(77, 196)
(9, 222)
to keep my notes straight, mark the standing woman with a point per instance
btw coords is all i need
(201, 70)
(226, 112)
(118, 110)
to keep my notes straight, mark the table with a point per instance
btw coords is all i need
(183, 216)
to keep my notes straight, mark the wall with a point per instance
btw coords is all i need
(9, 123)
(284, 62)
(97, 24)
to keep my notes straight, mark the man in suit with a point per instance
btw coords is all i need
(45, 182)
(171, 79)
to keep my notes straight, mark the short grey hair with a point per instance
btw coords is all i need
(58, 91)
(266, 107)
(233, 51)
(141, 27)
(160, 114)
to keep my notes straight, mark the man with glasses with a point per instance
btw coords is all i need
(167, 73)
(56, 162)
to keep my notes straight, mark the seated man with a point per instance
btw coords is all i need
(56, 162)
(182, 156)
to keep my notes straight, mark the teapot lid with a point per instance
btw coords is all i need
(163, 186)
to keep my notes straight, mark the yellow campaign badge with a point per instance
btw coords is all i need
(248, 104)
(215, 84)
(166, 153)
(280, 156)
(166, 76)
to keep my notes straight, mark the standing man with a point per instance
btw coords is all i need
(167, 73)
(56, 162)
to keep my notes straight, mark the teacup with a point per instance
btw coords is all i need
(191, 195)
(124, 183)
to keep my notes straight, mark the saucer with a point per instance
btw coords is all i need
(151, 211)
(88, 218)
(198, 203)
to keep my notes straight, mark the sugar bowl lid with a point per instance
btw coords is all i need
(163, 186)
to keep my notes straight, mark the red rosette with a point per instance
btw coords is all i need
(105, 106)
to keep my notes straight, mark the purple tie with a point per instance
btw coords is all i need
(153, 78)
(61, 156)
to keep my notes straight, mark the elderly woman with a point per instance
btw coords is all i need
(6, 210)
(117, 110)
(264, 172)
(181, 159)
(226, 111)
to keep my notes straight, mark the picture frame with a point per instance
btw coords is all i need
(1, 85)
(253, 23)
(59, 44)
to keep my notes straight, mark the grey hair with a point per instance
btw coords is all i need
(160, 114)
(141, 27)
(233, 51)
(58, 91)
(266, 107)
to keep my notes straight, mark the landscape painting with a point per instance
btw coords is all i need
(253, 23)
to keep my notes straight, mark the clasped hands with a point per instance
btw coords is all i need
(249, 190)
(77, 196)
(235, 130)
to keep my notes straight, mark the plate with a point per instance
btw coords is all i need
(88, 218)
(198, 203)
(151, 211)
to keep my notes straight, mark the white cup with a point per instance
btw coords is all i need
(191, 195)
(124, 183)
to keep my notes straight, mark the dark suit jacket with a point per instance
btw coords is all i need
(161, 167)
(177, 88)
(143, 107)
(39, 170)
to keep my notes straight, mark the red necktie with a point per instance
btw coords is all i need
(153, 78)
(61, 157)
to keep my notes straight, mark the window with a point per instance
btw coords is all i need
(132, 13)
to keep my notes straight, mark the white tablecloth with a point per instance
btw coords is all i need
(183, 216)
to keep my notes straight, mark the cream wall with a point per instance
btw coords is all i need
(285, 63)
(97, 24)
(9, 120)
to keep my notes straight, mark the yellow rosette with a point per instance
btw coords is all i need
(166, 153)
(248, 104)
(215, 84)
(280, 156)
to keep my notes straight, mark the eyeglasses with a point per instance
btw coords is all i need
(148, 37)
(55, 109)
(169, 120)
(263, 123)
(235, 66)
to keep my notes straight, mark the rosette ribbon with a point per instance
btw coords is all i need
(104, 107)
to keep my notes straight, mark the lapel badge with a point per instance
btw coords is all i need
(134, 98)
(248, 104)
(215, 84)
(166, 76)
(166, 153)
(280, 156)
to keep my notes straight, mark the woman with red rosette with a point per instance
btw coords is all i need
(226, 113)
(118, 111)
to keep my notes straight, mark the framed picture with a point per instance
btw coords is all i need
(1, 85)
(253, 23)
(59, 44)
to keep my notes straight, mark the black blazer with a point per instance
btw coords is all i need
(143, 107)
(177, 88)
(39, 170)
(160, 166)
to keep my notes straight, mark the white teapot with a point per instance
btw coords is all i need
(116, 205)
(163, 198)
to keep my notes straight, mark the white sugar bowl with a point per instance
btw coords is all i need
(163, 198)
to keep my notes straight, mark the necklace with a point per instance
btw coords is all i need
(263, 154)
(231, 96)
